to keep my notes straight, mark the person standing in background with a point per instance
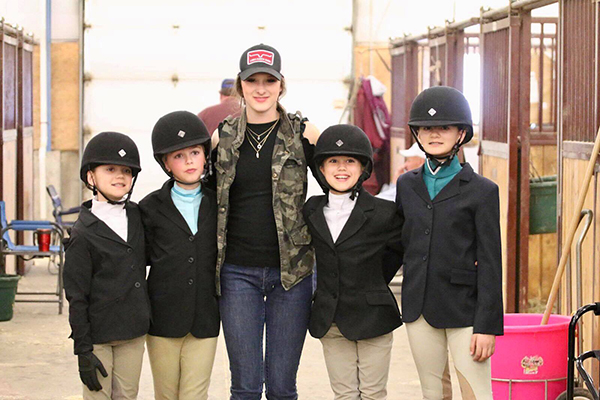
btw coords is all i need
(229, 105)
(413, 159)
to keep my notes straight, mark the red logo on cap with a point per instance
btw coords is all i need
(262, 56)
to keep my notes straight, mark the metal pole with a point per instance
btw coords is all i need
(45, 105)
(81, 83)
(589, 214)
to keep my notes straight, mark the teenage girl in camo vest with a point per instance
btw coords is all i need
(265, 260)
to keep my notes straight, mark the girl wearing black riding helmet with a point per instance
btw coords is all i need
(452, 287)
(180, 223)
(105, 272)
(265, 259)
(354, 312)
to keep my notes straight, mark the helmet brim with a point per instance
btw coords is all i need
(135, 169)
(426, 123)
(365, 161)
(179, 146)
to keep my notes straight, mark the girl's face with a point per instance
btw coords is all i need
(114, 181)
(439, 140)
(341, 173)
(186, 165)
(261, 92)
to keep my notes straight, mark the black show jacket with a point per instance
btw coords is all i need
(352, 288)
(182, 266)
(452, 252)
(105, 280)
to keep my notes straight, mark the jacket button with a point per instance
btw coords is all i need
(138, 285)
(191, 260)
(429, 207)
(424, 258)
(191, 238)
(133, 267)
(275, 175)
(427, 231)
(129, 250)
(191, 282)
(222, 209)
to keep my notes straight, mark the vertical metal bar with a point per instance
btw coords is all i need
(524, 85)
(541, 82)
(450, 45)
(20, 154)
(517, 272)
(81, 69)
(411, 78)
(512, 237)
(569, 287)
(596, 26)
(1, 108)
(589, 214)
(48, 39)
(559, 133)
(459, 58)
(596, 58)
(553, 82)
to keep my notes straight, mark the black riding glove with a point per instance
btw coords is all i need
(88, 363)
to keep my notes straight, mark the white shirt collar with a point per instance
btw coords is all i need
(340, 201)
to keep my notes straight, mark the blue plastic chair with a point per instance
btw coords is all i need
(58, 211)
(9, 248)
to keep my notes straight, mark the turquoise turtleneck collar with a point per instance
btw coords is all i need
(436, 182)
(188, 204)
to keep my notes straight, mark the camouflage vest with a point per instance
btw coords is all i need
(289, 183)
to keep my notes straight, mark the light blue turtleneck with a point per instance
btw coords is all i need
(188, 204)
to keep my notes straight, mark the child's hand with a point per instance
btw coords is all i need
(482, 346)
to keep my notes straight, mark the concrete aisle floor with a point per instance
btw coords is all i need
(36, 359)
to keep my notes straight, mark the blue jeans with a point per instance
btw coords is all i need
(250, 298)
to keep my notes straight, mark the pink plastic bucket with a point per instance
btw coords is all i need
(533, 353)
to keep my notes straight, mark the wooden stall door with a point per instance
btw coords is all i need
(505, 54)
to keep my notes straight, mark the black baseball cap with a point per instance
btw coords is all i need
(260, 58)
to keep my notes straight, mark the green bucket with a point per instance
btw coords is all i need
(542, 205)
(8, 289)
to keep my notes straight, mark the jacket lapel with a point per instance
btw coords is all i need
(205, 206)
(104, 231)
(357, 219)
(418, 184)
(168, 208)
(453, 187)
(101, 229)
(317, 219)
(134, 222)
